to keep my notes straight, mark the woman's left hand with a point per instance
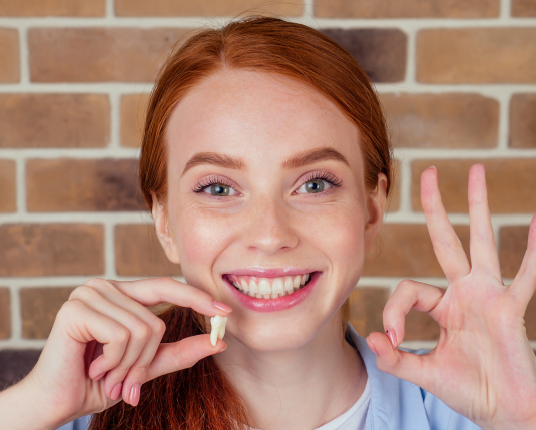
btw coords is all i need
(483, 366)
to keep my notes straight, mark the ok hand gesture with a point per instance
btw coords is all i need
(483, 366)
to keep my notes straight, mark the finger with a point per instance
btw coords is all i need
(405, 365)
(137, 374)
(525, 281)
(410, 295)
(139, 335)
(150, 292)
(483, 249)
(85, 325)
(172, 357)
(447, 246)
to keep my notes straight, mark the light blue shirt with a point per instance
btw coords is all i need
(395, 404)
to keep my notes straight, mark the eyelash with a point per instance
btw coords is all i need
(326, 176)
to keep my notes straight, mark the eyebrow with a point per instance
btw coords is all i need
(301, 159)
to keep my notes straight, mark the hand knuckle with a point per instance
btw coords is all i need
(142, 331)
(121, 335)
(159, 327)
(71, 307)
(83, 292)
(405, 285)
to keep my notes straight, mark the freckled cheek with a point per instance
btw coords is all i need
(200, 241)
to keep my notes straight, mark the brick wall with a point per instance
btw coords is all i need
(458, 80)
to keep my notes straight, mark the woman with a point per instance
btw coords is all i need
(266, 165)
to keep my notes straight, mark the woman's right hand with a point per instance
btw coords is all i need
(105, 328)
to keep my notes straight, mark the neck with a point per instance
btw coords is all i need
(301, 388)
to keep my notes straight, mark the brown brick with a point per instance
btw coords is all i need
(133, 109)
(503, 176)
(54, 120)
(458, 120)
(38, 308)
(366, 309)
(64, 184)
(99, 54)
(366, 315)
(381, 53)
(9, 55)
(5, 313)
(393, 202)
(51, 249)
(15, 364)
(205, 7)
(523, 8)
(523, 121)
(513, 243)
(8, 202)
(407, 9)
(52, 8)
(420, 326)
(139, 253)
(406, 250)
(477, 55)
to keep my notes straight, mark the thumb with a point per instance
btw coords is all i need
(402, 364)
(172, 357)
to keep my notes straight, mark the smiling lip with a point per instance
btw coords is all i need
(273, 305)
(270, 273)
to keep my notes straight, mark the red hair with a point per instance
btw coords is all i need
(200, 398)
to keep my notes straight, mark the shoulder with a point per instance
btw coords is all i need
(81, 423)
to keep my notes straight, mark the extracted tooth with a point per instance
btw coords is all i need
(217, 330)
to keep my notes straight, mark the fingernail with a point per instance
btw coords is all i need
(98, 377)
(373, 349)
(135, 394)
(221, 306)
(432, 167)
(391, 334)
(116, 391)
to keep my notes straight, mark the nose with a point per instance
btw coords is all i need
(267, 226)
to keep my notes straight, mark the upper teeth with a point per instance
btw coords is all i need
(268, 287)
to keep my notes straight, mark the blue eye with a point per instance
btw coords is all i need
(314, 183)
(219, 186)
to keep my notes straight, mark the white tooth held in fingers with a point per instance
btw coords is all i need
(217, 329)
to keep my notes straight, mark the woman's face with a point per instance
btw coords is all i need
(264, 211)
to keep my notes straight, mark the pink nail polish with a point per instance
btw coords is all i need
(391, 334)
(221, 306)
(135, 394)
(373, 349)
(99, 377)
(116, 391)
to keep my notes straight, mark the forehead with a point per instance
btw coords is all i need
(257, 117)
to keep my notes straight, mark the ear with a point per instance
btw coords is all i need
(163, 230)
(376, 208)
